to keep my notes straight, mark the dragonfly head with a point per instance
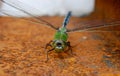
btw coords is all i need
(59, 45)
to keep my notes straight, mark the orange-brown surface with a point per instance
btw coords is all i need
(22, 51)
(94, 53)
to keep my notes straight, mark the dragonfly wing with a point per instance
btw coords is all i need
(94, 26)
(26, 9)
(101, 17)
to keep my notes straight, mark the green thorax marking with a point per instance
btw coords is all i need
(61, 34)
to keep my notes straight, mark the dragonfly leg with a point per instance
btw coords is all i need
(69, 47)
(48, 44)
(47, 54)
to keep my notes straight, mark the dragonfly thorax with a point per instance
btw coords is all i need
(61, 35)
(62, 29)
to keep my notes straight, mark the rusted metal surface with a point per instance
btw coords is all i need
(94, 53)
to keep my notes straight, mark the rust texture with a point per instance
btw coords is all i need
(22, 49)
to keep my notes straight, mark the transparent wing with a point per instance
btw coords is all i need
(94, 25)
(99, 18)
(26, 9)
(104, 16)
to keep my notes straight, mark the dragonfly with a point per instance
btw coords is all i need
(60, 42)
